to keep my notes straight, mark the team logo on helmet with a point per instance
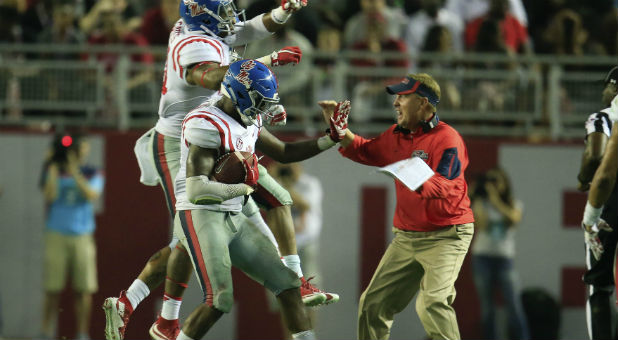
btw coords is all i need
(243, 75)
(195, 8)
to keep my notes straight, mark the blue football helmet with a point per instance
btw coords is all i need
(252, 86)
(216, 17)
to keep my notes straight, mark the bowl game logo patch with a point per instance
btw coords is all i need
(420, 154)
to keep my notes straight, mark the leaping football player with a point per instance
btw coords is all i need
(199, 52)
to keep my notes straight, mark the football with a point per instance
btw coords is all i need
(229, 168)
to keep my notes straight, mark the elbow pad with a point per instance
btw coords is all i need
(201, 190)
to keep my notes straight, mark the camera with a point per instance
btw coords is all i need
(61, 145)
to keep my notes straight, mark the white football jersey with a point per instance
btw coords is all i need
(177, 96)
(209, 127)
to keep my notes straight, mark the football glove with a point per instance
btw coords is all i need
(276, 116)
(251, 166)
(291, 6)
(339, 121)
(591, 237)
(286, 55)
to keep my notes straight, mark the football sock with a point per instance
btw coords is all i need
(171, 307)
(305, 335)
(183, 336)
(263, 227)
(137, 292)
(293, 262)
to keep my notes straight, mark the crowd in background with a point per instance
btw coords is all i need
(506, 27)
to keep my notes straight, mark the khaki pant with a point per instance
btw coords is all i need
(74, 255)
(423, 262)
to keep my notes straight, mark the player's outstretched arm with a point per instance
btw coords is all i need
(289, 152)
(207, 74)
(274, 20)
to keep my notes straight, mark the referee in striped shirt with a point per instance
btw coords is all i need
(599, 276)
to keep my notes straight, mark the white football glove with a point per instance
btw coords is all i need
(613, 110)
(591, 236)
(276, 116)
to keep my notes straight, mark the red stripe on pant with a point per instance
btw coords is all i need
(196, 252)
(167, 177)
(373, 231)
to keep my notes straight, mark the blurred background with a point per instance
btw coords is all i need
(519, 79)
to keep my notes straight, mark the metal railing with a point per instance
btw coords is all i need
(103, 86)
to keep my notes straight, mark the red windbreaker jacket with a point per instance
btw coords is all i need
(443, 199)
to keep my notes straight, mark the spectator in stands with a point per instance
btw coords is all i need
(609, 32)
(472, 9)
(131, 18)
(158, 21)
(565, 33)
(368, 90)
(36, 18)
(438, 40)
(62, 29)
(492, 95)
(496, 215)
(433, 13)
(357, 27)
(512, 32)
(70, 188)
(9, 24)
(295, 79)
(111, 30)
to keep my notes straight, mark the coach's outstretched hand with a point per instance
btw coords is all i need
(336, 115)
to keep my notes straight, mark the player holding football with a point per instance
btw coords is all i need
(208, 221)
(198, 54)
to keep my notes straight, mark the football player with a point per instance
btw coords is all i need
(199, 52)
(208, 221)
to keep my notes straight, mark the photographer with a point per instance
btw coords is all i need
(496, 213)
(69, 188)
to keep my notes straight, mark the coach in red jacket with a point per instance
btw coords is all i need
(433, 225)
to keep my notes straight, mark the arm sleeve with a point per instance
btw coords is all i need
(449, 169)
(366, 151)
(250, 30)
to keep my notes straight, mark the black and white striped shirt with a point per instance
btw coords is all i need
(599, 122)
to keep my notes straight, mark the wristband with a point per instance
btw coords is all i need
(325, 142)
(591, 214)
(279, 15)
(266, 60)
